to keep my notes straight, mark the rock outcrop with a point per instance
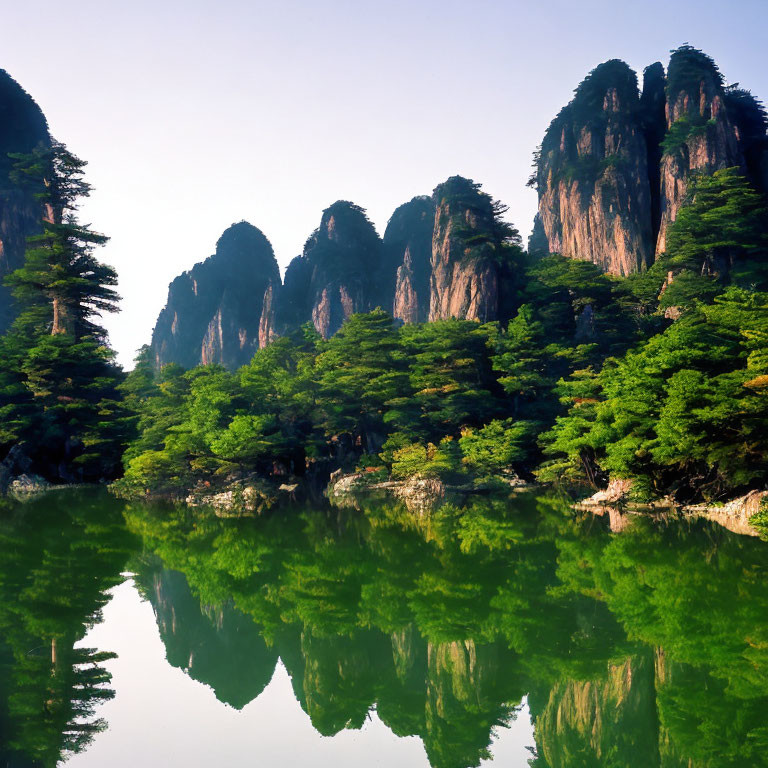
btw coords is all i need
(23, 128)
(615, 164)
(335, 275)
(594, 189)
(701, 136)
(445, 255)
(407, 258)
(468, 264)
(219, 311)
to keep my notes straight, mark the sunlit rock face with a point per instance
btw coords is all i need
(701, 134)
(219, 311)
(407, 257)
(465, 280)
(22, 128)
(615, 163)
(335, 275)
(442, 256)
(594, 189)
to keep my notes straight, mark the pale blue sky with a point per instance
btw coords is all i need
(195, 114)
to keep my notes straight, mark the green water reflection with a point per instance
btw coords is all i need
(646, 646)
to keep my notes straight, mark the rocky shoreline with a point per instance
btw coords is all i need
(735, 515)
(420, 494)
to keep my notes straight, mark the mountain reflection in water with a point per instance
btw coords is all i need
(642, 647)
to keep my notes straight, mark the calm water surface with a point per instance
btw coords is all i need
(511, 632)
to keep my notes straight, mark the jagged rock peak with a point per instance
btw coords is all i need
(336, 274)
(23, 127)
(244, 245)
(693, 81)
(219, 311)
(469, 252)
(406, 263)
(594, 191)
(613, 168)
(701, 136)
(653, 106)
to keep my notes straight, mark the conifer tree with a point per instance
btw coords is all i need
(58, 381)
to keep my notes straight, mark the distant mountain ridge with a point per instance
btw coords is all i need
(438, 259)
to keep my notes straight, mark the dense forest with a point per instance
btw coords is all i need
(659, 377)
(571, 370)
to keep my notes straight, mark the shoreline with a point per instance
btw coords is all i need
(420, 495)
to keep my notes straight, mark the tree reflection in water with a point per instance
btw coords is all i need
(642, 646)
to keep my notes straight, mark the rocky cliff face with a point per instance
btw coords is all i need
(22, 128)
(614, 164)
(219, 311)
(445, 255)
(594, 191)
(468, 259)
(404, 279)
(701, 136)
(335, 275)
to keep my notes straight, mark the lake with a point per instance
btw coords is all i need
(505, 631)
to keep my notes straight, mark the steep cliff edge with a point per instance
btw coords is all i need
(336, 274)
(404, 277)
(594, 190)
(701, 136)
(219, 311)
(472, 251)
(614, 166)
(22, 128)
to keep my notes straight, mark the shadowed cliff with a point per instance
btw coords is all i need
(214, 311)
(23, 127)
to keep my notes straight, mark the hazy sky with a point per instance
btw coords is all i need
(194, 115)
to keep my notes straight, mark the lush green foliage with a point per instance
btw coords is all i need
(453, 398)
(685, 412)
(591, 376)
(59, 394)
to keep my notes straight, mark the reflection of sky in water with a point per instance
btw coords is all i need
(161, 717)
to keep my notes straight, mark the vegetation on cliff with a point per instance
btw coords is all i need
(533, 363)
(685, 412)
(659, 377)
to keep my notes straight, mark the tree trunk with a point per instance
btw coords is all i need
(62, 318)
